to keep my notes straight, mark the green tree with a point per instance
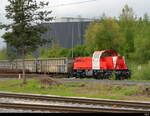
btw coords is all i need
(142, 53)
(127, 24)
(146, 18)
(26, 27)
(11, 53)
(142, 41)
(104, 35)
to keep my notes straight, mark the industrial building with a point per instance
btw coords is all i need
(67, 32)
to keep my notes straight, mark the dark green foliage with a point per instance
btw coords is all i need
(3, 54)
(63, 52)
(127, 22)
(54, 52)
(78, 51)
(140, 71)
(104, 35)
(26, 28)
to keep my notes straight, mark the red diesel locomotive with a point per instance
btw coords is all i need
(101, 66)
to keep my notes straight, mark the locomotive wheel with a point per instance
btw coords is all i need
(70, 75)
(121, 75)
(82, 75)
(117, 77)
(95, 76)
(99, 75)
(108, 74)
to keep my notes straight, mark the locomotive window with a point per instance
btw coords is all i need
(106, 54)
(96, 55)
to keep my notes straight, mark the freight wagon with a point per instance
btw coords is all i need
(50, 65)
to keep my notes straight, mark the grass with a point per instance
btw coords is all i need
(140, 72)
(78, 89)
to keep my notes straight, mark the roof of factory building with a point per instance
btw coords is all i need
(72, 19)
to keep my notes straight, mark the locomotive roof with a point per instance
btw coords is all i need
(108, 51)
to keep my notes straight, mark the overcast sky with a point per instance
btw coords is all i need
(86, 9)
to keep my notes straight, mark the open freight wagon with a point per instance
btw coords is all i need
(48, 66)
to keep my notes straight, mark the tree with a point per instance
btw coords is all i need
(11, 53)
(104, 35)
(146, 18)
(127, 14)
(142, 53)
(142, 42)
(24, 33)
(127, 24)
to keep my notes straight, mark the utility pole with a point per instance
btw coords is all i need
(72, 37)
(79, 29)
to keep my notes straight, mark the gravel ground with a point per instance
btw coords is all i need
(2, 110)
(12, 100)
(8, 78)
(115, 82)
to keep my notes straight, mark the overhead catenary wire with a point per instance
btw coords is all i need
(72, 3)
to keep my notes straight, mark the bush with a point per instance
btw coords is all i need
(3, 54)
(54, 52)
(141, 72)
(63, 52)
(78, 51)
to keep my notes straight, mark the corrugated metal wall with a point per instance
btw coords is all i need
(67, 34)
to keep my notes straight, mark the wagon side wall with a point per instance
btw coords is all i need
(51, 65)
(55, 65)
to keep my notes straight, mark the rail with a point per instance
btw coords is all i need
(68, 109)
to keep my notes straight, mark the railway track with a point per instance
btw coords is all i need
(68, 109)
(112, 105)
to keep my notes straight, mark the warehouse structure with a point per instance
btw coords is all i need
(67, 32)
